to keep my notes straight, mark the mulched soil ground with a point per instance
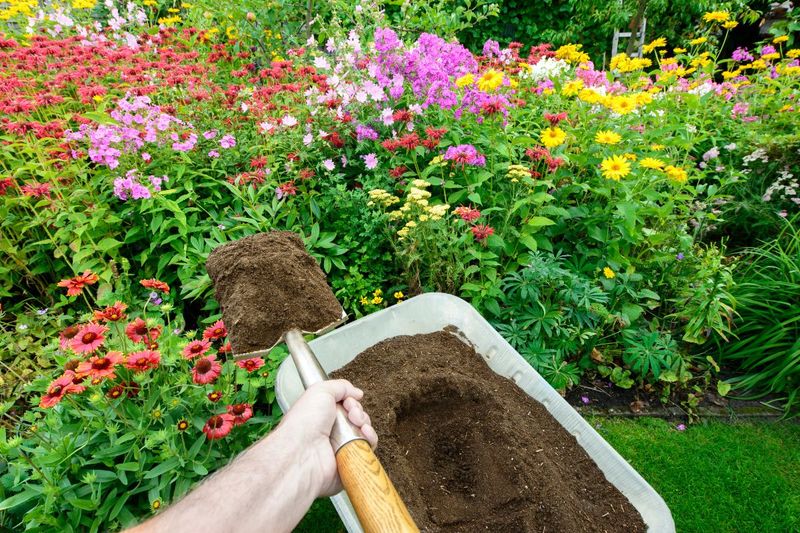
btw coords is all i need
(267, 284)
(470, 451)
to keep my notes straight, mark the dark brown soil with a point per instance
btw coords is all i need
(470, 451)
(267, 284)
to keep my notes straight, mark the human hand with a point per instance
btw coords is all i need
(307, 427)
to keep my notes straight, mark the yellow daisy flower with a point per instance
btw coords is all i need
(491, 80)
(676, 174)
(552, 137)
(717, 16)
(658, 43)
(699, 40)
(608, 273)
(466, 79)
(651, 163)
(615, 168)
(607, 137)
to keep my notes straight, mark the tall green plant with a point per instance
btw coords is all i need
(767, 348)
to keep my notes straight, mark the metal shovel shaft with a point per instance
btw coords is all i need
(311, 373)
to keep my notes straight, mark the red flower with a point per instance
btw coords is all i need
(259, 162)
(100, 366)
(59, 388)
(195, 348)
(215, 331)
(409, 141)
(66, 336)
(241, 413)
(538, 152)
(88, 339)
(111, 313)
(482, 231)
(435, 133)
(554, 119)
(36, 190)
(5, 183)
(115, 392)
(335, 139)
(251, 365)
(137, 331)
(153, 283)
(75, 285)
(225, 348)
(306, 174)
(467, 214)
(397, 172)
(143, 361)
(214, 396)
(402, 115)
(390, 144)
(206, 370)
(218, 426)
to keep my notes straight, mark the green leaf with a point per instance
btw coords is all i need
(723, 388)
(108, 244)
(529, 242)
(539, 222)
(475, 197)
(19, 499)
(163, 468)
(199, 469)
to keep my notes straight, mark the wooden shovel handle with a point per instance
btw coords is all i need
(377, 503)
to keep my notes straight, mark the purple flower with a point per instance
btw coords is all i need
(227, 141)
(213, 154)
(210, 134)
(365, 133)
(386, 40)
(491, 48)
(768, 49)
(713, 153)
(680, 256)
(741, 54)
(370, 160)
(155, 298)
(329, 164)
(41, 312)
(585, 400)
(146, 156)
(465, 154)
(681, 427)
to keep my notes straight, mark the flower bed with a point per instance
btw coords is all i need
(583, 211)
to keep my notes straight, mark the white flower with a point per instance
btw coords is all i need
(329, 164)
(266, 127)
(289, 121)
(321, 63)
(308, 139)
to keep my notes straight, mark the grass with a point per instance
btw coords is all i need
(715, 476)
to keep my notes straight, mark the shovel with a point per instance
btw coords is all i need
(379, 507)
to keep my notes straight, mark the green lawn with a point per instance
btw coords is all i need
(715, 476)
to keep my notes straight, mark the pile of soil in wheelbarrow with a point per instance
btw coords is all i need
(267, 284)
(470, 451)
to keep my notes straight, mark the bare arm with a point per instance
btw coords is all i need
(270, 486)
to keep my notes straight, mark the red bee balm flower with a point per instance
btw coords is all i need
(155, 284)
(100, 366)
(143, 361)
(75, 285)
(59, 388)
(467, 214)
(88, 339)
(112, 313)
(251, 365)
(206, 370)
(195, 348)
(241, 413)
(215, 331)
(482, 231)
(137, 331)
(218, 426)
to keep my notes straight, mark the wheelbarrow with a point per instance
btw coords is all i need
(432, 312)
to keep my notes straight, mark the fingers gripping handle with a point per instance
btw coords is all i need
(379, 507)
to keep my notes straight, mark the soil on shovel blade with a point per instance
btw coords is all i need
(267, 284)
(470, 451)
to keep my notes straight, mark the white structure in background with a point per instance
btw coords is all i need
(628, 35)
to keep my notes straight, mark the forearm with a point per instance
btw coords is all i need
(267, 488)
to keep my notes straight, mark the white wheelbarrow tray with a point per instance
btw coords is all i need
(433, 312)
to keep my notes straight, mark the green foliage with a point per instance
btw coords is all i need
(766, 348)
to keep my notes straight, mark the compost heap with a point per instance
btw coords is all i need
(267, 284)
(470, 451)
